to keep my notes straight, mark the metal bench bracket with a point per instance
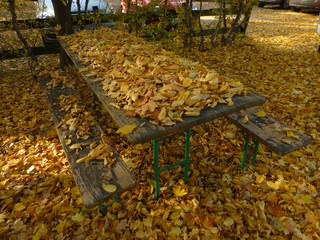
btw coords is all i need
(103, 207)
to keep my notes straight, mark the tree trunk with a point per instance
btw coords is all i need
(62, 14)
(79, 17)
(188, 18)
(17, 29)
(201, 44)
(235, 26)
(86, 7)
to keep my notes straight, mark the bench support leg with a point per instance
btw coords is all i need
(63, 59)
(156, 167)
(255, 152)
(103, 207)
(95, 98)
(245, 151)
(158, 170)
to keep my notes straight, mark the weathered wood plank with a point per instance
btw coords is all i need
(88, 176)
(268, 131)
(147, 131)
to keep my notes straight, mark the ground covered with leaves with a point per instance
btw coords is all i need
(276, 199)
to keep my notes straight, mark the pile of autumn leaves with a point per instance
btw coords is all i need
(147, 81)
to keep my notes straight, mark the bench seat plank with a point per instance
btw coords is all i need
(88, 176)
(147, 131)
(268, 131)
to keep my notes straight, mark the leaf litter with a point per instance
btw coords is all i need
(276, 199)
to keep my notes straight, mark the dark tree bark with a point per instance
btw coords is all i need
(79, 9)
(17, 29)
(86, 7)
(62, 13)
(79, 17)
(188, 40)
(201, 43)
(235, 26)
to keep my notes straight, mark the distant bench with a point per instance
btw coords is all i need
(93, 178)
(275, 135)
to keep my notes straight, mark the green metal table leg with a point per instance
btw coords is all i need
(156, 167)
(187, 156)
(256, 148)
(95, 98)
(245, 152)
(103, 207)
(158, 170)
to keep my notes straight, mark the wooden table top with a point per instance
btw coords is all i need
(147, 131)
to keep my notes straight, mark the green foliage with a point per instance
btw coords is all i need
(155, 22)
(149, 21)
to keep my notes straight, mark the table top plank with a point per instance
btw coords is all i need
(147, 131)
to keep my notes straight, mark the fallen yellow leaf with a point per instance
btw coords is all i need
(19, 207)
(109, 187)
(92, 74)
(78, 217)
(290, 133)
(175, 231)
(261, 114)
(127, 129)
(245, 119)
(260, 178)
(83, 69)
(228, 222)
(41, 231)
(179, 191)
(187, 82)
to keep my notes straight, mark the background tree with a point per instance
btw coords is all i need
(62, 12)
(11, 5)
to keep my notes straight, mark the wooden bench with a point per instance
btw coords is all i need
(275, 135)
(94, 178)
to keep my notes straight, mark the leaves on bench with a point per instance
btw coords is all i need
(100, 152)
(126, 129)
(93, 161)
(276, 135)
(109, 187)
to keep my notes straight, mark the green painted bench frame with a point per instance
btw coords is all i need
(261, 130)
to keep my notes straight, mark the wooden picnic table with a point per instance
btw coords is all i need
(147, 131)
